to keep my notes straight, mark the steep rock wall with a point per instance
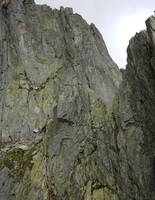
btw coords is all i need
(68, 129)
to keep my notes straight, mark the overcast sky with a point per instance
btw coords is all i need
(117, 20)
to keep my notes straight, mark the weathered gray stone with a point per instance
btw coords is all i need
(28, 1)
(7, 191)
(70, 127)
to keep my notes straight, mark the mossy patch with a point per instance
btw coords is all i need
(17, 160)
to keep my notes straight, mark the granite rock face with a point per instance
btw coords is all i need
(70, 126)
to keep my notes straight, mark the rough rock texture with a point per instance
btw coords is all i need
(70, 127)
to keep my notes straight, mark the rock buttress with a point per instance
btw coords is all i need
(57, 82)
(68, 130)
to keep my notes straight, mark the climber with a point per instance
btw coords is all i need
(4, 3)
(154, 13)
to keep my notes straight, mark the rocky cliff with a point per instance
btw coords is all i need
(72, 126)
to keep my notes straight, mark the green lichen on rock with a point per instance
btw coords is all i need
(70, 126)
(17, 161)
